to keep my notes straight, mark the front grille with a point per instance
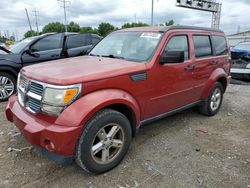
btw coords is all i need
(34, 105)
(36, 88)
(30, 102)
(239, 64)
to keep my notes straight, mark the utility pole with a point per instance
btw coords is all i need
(28, 19)
(152, 13)
(36, 15)
(64, 6)
(135, 18)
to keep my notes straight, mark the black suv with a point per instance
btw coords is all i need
(37, 49)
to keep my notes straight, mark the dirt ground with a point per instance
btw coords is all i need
(184, 150)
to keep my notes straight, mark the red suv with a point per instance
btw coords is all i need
(88, 108)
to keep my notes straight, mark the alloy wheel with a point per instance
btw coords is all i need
(6, 87)
(107, 143)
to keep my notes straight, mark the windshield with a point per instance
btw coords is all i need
(243, 46)
(17, 48)
(134, 46)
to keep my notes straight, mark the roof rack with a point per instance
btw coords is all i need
(165, 29)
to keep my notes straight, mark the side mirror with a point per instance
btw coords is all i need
(172, 57)
(32, 53)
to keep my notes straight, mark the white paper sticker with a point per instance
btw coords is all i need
(151, 35)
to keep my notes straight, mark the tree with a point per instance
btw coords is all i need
(105, 28)
(30, 33)
(169, 23)
(133, 24)
(88, 30)
(73, 27)
(54, 27)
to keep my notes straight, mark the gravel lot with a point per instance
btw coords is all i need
(184, 150)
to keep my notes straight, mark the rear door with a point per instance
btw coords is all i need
(78, 44)
(205, 62)
(48, 48)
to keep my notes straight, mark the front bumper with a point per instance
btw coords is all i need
(240, 73)
(57, 139)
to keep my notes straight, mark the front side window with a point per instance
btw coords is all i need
(178, 43)
(202, 46)
(220, 45)
(50, 42)
(134, 46)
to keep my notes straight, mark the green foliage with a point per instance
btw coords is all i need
(73, 27)
(88, 30)
(129, 25)
(105, 28)
(53, 27)
(169, 23)
(30, 34)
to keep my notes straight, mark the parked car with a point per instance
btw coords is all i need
(3, 50)
(37, 49)
(241, 61)
(88, 108)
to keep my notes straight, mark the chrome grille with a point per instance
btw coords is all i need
(28, 91)
(34, 105)
(36, 88)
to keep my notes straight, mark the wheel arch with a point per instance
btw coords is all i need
(82, 110)
(219, 75)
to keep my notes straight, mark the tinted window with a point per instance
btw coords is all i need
(202, 46)
(75, 41)
(178, 43)
(220, 45)
(95, 40)
(50, 42)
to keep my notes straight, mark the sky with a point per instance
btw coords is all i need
(235, 14)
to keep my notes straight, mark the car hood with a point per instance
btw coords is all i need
(240, 54)
(80, 69)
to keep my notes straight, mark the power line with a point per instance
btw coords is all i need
(36, 15)
(64, 5)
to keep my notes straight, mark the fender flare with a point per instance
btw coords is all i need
(80, 111)
(214, 77)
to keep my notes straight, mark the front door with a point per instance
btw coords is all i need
(47, 48)
(172, 83)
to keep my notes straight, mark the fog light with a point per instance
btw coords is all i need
(248, 66)
(55, 110)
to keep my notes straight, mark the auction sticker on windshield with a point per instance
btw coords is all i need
(151, 35)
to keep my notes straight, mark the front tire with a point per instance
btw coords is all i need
(212, 105)
(104, 142)
(7, 86)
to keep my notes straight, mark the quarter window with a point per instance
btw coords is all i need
(202, 46)
(178, 43)
(220, 45)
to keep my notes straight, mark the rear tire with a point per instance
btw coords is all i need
(104, 142)
(7, 86)
(212, 105)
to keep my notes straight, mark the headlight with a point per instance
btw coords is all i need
(248, 66)
(55, 98)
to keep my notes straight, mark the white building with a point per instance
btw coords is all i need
(238, 38)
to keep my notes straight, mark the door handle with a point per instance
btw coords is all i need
(55, 55)
(214, 62)
(189, 67)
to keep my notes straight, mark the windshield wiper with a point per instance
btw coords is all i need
(94, 55)
(113, 56)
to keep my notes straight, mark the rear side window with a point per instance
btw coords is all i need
(95, 40)
(202, 46)
(75, 41)
(178, 43)
(220, 45)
